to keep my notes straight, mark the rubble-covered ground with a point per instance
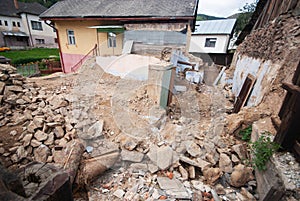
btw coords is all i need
(185, 153)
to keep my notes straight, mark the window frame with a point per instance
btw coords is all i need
(210, 42)
(36, 25)
(40, 41)
(71, 37)
(111, 40)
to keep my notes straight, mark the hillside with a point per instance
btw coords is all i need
(201, 17)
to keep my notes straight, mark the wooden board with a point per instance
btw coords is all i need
(244, 93)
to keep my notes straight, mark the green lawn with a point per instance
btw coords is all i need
(27, 56)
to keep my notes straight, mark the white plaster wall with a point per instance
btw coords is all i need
(124, 66)
(10, 26)
(47, 33)
(198, 44)
(264, 71)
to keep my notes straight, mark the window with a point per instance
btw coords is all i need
(18, 24)
(39, 41)
(71, 37)
(5, 23)
(55, 40)
(210, 42)
(112, 42)
(14, 24)
(35, 25)
(0, 22)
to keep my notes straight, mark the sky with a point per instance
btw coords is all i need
(221, 8)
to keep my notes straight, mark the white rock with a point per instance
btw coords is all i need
(119, 193)
(132, 156)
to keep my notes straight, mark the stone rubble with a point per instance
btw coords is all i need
(181, 157)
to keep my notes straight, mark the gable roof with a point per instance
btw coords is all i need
(121, 8)
(215, 26)
(8, 8)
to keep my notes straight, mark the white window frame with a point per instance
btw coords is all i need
(71, 37)
(36, 25)
(210, 42)
(111, 40)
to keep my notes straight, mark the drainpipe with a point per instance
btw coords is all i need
(30, 36)
(59, 46)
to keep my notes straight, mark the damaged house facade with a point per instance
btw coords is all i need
(21, 27)
(114, 27)
(211, 38)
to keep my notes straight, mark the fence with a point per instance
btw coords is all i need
(28, 70)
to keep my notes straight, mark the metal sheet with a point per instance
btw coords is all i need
(215, 26)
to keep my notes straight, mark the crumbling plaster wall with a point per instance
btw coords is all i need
(264, 71)
(271, 54)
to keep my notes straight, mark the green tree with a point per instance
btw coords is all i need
(245, 16)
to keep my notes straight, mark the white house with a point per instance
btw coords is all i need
(212, 36)
(21, 27)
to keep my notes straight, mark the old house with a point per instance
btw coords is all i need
(211, 39)
(113, 27)
(21, 27)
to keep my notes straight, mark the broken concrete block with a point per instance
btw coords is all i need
(162, 156)
(132, 156)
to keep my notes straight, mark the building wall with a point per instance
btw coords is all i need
(47, 33)
(85, 39)
(10, 27)
(198, 44)
(154, 41)
(103, 48)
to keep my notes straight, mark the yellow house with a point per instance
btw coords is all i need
(104, 27)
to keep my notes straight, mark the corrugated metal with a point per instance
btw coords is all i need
(156, 37)
(215, 26)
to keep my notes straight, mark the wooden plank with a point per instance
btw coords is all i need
(289, 130)
(244, 93)
(291, 88)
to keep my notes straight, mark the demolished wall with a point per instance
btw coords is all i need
(271, 54)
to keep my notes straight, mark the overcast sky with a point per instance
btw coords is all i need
(221, 8)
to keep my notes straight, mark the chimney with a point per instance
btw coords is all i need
(16, 4)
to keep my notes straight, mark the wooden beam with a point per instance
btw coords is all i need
(244, 93)
(291, 88)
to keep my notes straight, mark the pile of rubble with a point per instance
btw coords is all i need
(273, 41)
(182, 158)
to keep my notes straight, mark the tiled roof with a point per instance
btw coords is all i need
(215, 26)
(8, 8)
(122, 8)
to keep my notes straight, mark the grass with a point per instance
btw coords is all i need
(32, 55)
